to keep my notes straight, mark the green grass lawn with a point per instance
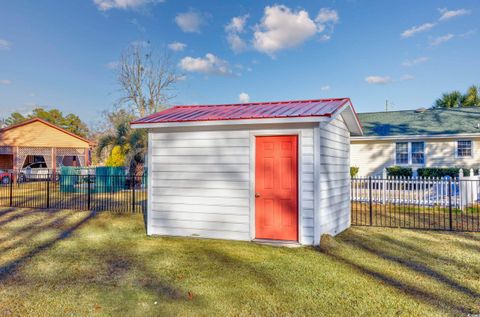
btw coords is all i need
(78, 263)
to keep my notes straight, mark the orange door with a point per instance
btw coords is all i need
(276, 211)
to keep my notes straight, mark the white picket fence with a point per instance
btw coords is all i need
(457, 192)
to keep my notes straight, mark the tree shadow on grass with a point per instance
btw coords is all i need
(233, 265)
(15, 215)
(10, 267)
(26, 233)
(112, 267)
(426, 297)
(390, 243)
(470, 236)
(387, 253)
(7, 211)
(412, 259)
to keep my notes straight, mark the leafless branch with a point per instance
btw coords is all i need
(147, 80)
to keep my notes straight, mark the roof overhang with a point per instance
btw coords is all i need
(229, 122)
(350, 117)
(416, 137)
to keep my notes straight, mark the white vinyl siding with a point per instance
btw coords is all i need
(334, 177)
(373, 156)
(201, 180)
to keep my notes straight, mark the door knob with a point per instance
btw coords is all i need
(257, 195)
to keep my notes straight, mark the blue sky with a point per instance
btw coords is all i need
(60, 53)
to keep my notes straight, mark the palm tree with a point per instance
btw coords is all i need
(130, 143)
(450, 100)
(472, 97)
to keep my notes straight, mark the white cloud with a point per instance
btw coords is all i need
(112, 65)
(448, 14)
(445, 15)
(4, 44)
(378, 80)
(282, 28)
(182, 78)
(210, 64)
(325, 88)
(189, 21)
(325, 37)
(237, 24)
(233, 29)
(177, 46)
(406, 77)
(412, 62)
(105, 5)
(237, 44)
(243, 97)
(417, 29)
(326, 17)
(5, 82)
(468, 33)
(441, 39)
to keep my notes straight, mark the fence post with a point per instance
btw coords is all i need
(48, 192)
(384, 184)
(370, 198)
(11, 189)
(450, 202)
(88, 192)
(133, 194)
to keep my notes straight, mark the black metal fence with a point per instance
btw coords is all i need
(417, 203)
(119, 193)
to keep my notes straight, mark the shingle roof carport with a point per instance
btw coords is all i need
(290, 111)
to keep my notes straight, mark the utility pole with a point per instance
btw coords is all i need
(386, 105)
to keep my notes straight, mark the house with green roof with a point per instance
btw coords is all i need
(417, 138)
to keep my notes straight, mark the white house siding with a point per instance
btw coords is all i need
(334, 177)
(201, 180)
(372, 156)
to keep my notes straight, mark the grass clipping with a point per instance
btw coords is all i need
(327, 243)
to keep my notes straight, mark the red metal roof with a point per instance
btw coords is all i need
(257, 110)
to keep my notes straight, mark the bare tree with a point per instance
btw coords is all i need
(146, 79)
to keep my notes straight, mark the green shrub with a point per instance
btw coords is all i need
(440, 172)
(399, 171)
(354, 171)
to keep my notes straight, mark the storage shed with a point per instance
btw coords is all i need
(254, 171)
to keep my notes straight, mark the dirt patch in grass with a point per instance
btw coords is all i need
(81, 263)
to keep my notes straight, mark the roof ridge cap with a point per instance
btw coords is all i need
(261, 103)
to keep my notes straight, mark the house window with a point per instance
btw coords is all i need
(410, 153)
(464, 148)
(401, 153)
(418, 153)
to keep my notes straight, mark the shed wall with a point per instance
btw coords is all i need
(201, 180)
(334, 177)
